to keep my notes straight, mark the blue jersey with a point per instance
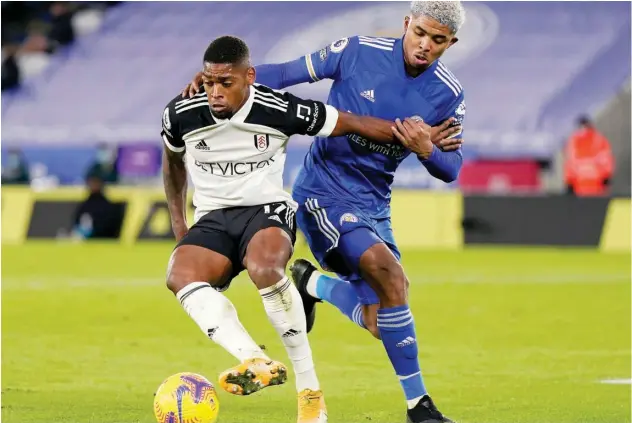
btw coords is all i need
(370, 79)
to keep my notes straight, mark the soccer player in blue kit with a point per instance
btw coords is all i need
(344, 187)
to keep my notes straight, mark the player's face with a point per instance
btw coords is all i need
(425, 41)
(227, 86)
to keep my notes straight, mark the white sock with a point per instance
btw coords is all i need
(312, 282)
(412, 403)
(284, 307)
(217, 317)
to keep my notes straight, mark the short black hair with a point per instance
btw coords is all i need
(227, 49)
(584, 120)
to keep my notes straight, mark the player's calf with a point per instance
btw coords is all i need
(315, 287)
(266, 258)
(394, 319)
(385, 275)
(369, 316)
(191, 273)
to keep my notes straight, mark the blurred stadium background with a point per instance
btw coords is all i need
(539, 332)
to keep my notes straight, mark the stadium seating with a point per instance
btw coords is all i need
(528, 68)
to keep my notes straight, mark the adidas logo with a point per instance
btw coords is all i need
(211, 332)
(275, 217)
(202, 146)
(290, 333)
(369, 95)
(408, 341)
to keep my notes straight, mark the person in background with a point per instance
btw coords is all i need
(62, 32)
(10, 69)
(589, 161)
(97, 217)
(104, 166)
(15, 170)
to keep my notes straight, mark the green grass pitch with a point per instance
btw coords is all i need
(505, 335)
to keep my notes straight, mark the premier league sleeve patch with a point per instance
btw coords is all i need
(338, 46)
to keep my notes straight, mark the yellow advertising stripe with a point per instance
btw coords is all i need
(615, 236)
(17, 207)
(426, 219)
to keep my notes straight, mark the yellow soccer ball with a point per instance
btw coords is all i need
(186, 398)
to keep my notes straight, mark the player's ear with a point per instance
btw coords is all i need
(406, 23)
(251, 75)
(453, 41)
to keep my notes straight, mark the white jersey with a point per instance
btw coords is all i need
(239, 161)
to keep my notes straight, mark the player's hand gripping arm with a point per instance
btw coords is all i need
(174, 177)
(415, 135)
(443, 135)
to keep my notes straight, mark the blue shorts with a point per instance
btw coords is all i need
(338, 235)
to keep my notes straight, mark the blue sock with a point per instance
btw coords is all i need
(397, 330)
(342, 295)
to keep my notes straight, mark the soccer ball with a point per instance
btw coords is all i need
(186, 398)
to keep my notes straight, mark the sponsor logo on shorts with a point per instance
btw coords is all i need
(275, 217)
(348, 217)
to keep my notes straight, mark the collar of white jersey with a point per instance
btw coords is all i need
(243, 112)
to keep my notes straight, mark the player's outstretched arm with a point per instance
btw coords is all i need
(174, 177)
(374, 129)
(277, 76)
(309, 117)
(330, 62)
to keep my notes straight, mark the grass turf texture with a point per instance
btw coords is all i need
(505, 335)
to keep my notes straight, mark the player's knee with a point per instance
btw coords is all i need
(397, 288)
(266, 270)
(178, 278)
(394, 284)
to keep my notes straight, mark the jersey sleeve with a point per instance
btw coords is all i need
(334, 61)
(457, 111)
(309, 117)
(446, 165)
(171, 129)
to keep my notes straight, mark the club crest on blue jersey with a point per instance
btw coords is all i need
(262, 142)
(348, 217)
(338, 46)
